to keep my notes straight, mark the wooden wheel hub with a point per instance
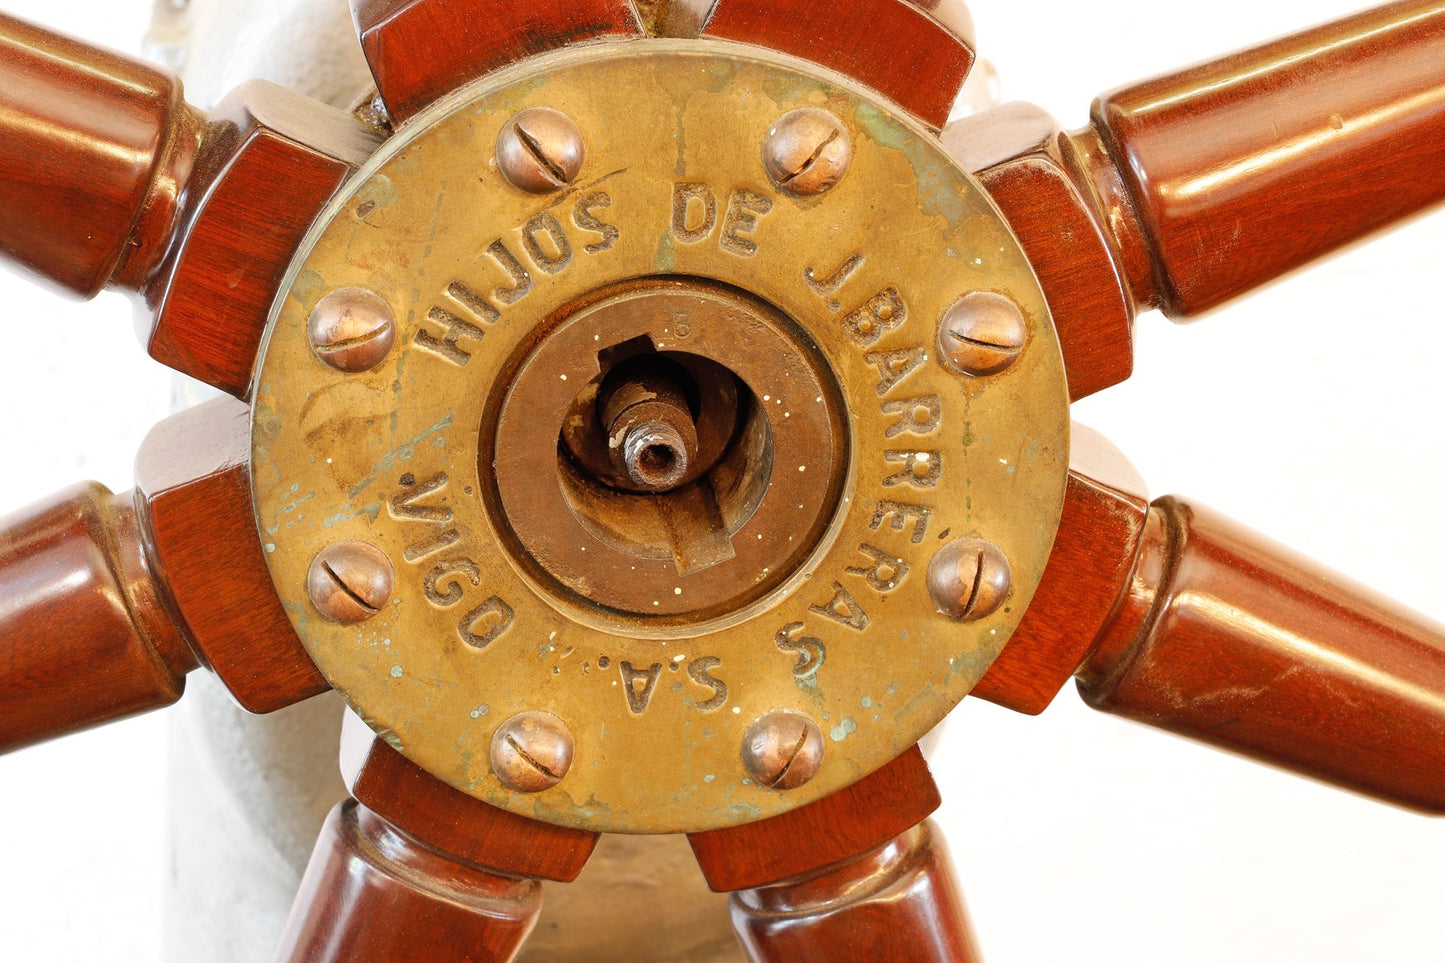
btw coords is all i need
(839, 447)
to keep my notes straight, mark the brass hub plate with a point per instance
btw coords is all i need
(673, 186)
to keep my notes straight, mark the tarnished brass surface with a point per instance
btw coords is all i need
(478, 274)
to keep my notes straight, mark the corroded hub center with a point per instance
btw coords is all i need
(690, 459)
(647, 414)
(701, 455)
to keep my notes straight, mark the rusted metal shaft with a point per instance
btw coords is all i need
(651, 432)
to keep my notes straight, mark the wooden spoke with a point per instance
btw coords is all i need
(1244, 169)
(1174, 616)
(1045, 188)
(373, 893)
(1226, 637)
(106, 602)
(421, 49)
(860, 818)
(270, 161)
(424, 807)
(84, 634)
(95, 150)
(916, 54)
(414, 869)
(1105, 510)
(194, 494)
(856, 875)
(899, 903)
(107, 177)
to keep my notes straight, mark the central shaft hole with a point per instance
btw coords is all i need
(659, 464)
(648, 407)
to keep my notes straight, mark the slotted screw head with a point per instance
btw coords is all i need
(982, 334)
(352, 329)
(807, 152)
(783, 749)
(969, 579)
(532, 751)
(540, 150)
(350, 582)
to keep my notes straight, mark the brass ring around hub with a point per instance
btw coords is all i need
(666, 453)
(740, 525)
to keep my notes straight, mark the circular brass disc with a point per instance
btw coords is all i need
(673, 185)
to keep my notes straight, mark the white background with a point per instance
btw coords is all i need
(1311, 413)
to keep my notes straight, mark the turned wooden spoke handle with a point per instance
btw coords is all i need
(84, 636)
(372, 892)
(899, 903)
(95, 150)
(1228, 638)
(1244, 169)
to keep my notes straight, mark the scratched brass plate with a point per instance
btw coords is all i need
(658, 709)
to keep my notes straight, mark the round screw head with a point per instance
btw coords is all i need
(783, 749)
(807, 152)
(532, 751)
(982, 334)
(540, 150)
(352, 329)
(350, 582)
(969, 579)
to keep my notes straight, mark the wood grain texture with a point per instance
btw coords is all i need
(95, 150)
(1086, 574)
(269, 162)
(1228, 638)
(421, 49)
(1027, 166)
(84, 635)
(1249, 167)
(194, 493)
(374, 893)
(898, 903)
(893, 46)
(836, 828)
(426, 808)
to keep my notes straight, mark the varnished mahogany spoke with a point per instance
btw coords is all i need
(1174, 616)
(108, 178)
(106, 602)
(424, 807)
(421, 49)
(270, 161)
(412, 869)
(194, 492)
(1244, 169)
(95, 151)
(1226, 637)
(1105, 509)
(918, 59)
(898, 903)
(85, 637)
(857, 875)
(855, 820)
(373, 893)
(1044, 188)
